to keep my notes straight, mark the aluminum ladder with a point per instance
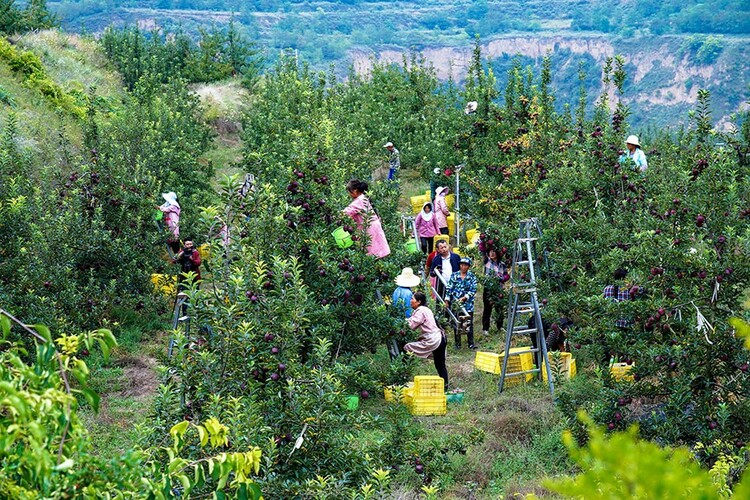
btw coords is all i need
(523, 300)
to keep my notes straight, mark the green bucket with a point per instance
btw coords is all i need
(343, 238)
(352, 402)
(158, 215)
(411, 246)
(455, 397)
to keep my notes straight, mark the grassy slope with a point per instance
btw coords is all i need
(75, 64)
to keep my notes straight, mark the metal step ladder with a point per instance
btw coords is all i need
(523, 300)
(180, 321)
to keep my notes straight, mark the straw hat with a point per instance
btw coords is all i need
(407, 278)
(171, 197)
(440, 190)
(633, 139)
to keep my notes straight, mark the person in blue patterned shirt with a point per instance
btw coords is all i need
(462, 287)
(619, 292)
(394, 160)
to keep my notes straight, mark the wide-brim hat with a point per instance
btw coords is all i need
(633, 139)
(388, 145)
(407, 278)
(171, 197)
(471, 107)
(441, 190)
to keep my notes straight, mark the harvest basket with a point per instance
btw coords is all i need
(455, 397)
(352, 402)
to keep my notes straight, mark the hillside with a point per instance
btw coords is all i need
(672, 49)
(77, 66)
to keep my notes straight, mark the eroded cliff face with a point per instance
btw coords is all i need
(671, 77)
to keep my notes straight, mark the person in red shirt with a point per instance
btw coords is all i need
(189, 260)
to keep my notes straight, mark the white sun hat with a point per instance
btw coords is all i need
(633, 139)
(171, 197)
(388, 145)
(440, 190)
(471, 107)
(407, 278)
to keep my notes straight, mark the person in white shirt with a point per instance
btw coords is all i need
(634, 153)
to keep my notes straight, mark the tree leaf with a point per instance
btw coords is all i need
(92, 398)
(4, 326)
(43, 331)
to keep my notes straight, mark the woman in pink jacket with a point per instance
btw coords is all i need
(360, 209)
(171, 211)
(441, 209)
(427, 228)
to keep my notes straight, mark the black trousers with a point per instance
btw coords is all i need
(438, 356)
(444, 230)
(488, 306)
(426, 244)
(469, 330)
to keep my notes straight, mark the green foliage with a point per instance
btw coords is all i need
(218, 54)
(34, 16)
(46, 450)
(30, 67)
(655, 225)
(622, 466)
(704, 50)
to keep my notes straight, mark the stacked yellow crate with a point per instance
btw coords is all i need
(562, 363)
(493, 362)
(428, 396)
(451, 219)
(417, 202)
(622, 372)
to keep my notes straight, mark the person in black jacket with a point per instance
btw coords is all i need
(554, 334)
(445, 263)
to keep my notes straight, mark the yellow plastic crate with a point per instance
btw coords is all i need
(488, 362)
(443, 237)
(408, 395)
(622, 372)
(429, 405)
(451, 219)
(472, 235)
(417, 202)
(164, 284)
(428, 385)
(492, 362)
(205, 251)
(565, 365)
